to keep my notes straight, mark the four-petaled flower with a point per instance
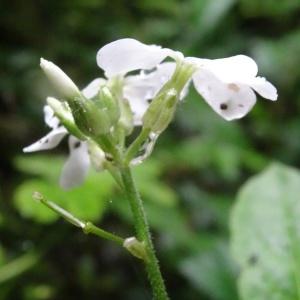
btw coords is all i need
(226, 84)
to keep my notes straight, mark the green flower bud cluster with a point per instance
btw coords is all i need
(97, 116)
(105, 117)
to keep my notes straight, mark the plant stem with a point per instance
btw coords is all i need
(91, 228)
(87, 227)
(134, 147)
(143, 234)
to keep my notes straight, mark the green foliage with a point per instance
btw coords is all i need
(199, 163)
(270, 7)
(213, 272)
(265, 235)
(151, 187)
(86, 202)
(17, 266)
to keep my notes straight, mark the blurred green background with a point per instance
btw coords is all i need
(190, 182)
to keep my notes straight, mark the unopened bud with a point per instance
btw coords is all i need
(109, 104)
(63, 113)
(126, 118)
(60, 80)
(136, 248)
(89, 117)
(161, 111)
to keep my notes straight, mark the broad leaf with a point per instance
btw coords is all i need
(212, 272)
(265, 228)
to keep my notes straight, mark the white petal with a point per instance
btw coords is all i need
(264, 88)
(92, 89)
(50, 141)
(76, 167)
(60, 80)
(138, 108)
(125, 55)
(97, 156)
(50, 119)
(231, 101)
(239, 68)
(199, 62)
(138, 89)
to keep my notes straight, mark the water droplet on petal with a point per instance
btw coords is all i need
(146, 149)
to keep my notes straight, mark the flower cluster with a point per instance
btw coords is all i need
(101, 116)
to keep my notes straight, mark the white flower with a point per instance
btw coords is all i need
(226, 84)
(60, 80)
(137, 89)
(76, 167)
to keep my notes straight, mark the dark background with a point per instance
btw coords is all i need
(190, 182)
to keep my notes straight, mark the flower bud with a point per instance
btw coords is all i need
(136, 248)
(126, 117)
(63, 113)
(161, 111)
(109, 104)
(90, 117)
(61, 81)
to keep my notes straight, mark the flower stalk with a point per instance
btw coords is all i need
(87, 227)
(143, 234)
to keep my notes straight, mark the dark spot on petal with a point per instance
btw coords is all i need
(108, 157)
(46, 141)
(241, 105)
(223, 106)
(253, 260)
(76, 145)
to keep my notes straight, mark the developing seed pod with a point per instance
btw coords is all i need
(161, 111)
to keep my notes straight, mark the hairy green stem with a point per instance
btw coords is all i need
(87, 227)
(91, 228)
(143, 234)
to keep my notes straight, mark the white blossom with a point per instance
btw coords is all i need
(60, 80)
(76, 167)
(227, 84)
(137, 89)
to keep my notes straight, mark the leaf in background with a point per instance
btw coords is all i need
(265, 228)
(272, 59)
(212, 272)
(18, 266)
(150, 184)
(2, 255)
(48, 166)
(269, 7)
(86, 202)
(211, 14)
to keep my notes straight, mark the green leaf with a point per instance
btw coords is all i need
(48, 166)
(150, 184)
(18, 266)
(2, 255)
(212, 272)
(86, 202)
(265, 228)
(269, 7)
